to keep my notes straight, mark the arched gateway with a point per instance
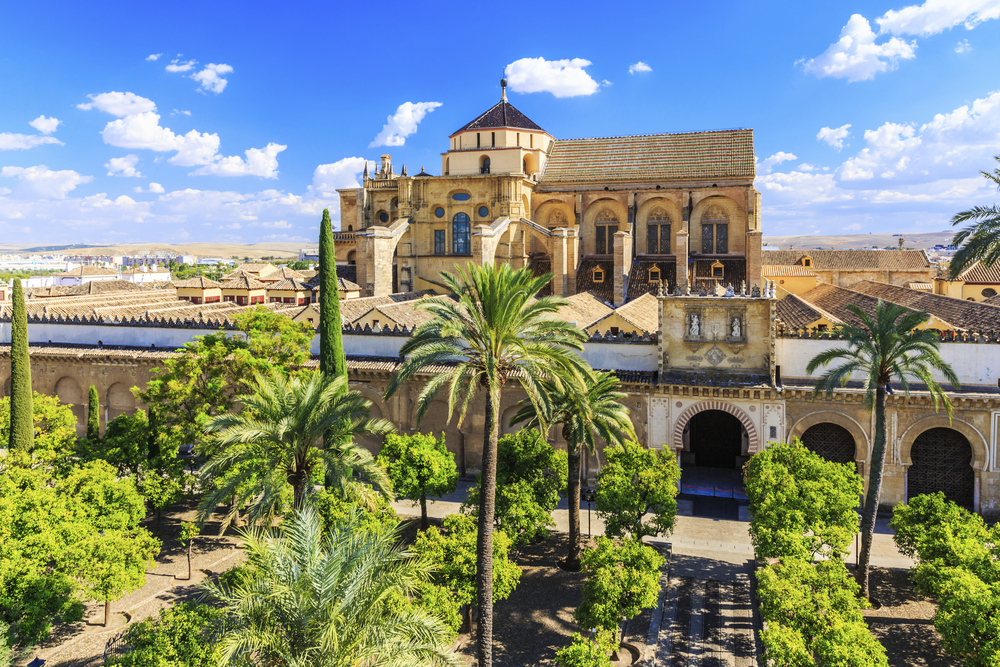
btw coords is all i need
(713, 439)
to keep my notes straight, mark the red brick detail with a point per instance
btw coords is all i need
(692, 410)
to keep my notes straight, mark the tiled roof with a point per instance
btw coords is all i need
(198, 282)
(285, 272)
(734, 272)
(585, 308)
(851, 260)
(977, 273)
(785, 271)
(585, 278)
(921, 287)
(965, 315)
(290, 285)
(87, 270)
(796, 313)
(89, 287)
(354, 309)
(501, 114)
(261, 268)
(345, 285)
(654, 157)
(638, 277)
(834, 300)
(244, 282)
(140, 270)
(643, 313)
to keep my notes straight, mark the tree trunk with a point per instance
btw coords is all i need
(874, 495)
(484, 541)
(468, 618)
(423, 510)
(189, 558)
(107, 612)
(573, 490)
(299, 483)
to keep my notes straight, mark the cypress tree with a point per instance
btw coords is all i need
(153, 444)
(22, 420)
(93, 415)
(332, 360)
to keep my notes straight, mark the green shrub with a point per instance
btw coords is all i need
(634, 483)
(585, 652)
(180, 636)
(622, 580)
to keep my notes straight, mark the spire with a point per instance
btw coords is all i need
(366, 169)
(404, 171)
(503, 89)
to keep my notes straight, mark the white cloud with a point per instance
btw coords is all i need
(154, 56)
(153, 188)
(908, 176)
(45, 125)
(118, 104)
(856, 56)
(834, 136)
(261, 162)
(177, 66)
(143, 130)
(40, 182)
(211, 78)
(279, 224)
(562, 78)
(769, 163)
(963, 46)
(403, 123)
(178, 112)
(234, 225)
(935, 16)
(639, 67)
(10, 141)
(328, 178)
(123, 166)
(605, 82)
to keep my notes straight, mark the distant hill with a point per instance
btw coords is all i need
(856, 241)
(224, 250)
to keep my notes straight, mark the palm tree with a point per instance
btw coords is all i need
(315, 600)
(275, 440)
(882, 349)
(497, 332)
(979, 242)
(587, 410)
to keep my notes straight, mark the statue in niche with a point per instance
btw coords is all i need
(737, 330)
(695, 329)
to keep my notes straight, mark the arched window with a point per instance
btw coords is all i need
(715, 227)
(485, 168)
(460, 242)
(658, 232)
(524, 166)
(607, 226)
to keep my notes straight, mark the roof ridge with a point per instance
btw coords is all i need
(658, 134)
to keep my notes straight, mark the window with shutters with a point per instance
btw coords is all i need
(715, 231)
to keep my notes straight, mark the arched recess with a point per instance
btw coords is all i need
(378, 410)
(608, 213)
(528, 164)
(69, 393)
(832, 442)
(436, 421)
(721, 210)
(861, 441)
(942, 460)
(352, 258)
(682, 421)
(119, 401)
(662, 211)
(505, 416)
(971, 433)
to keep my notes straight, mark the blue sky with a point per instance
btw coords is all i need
(238, 121)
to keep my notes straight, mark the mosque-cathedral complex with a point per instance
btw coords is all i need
(656, 241)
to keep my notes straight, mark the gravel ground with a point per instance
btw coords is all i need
(904, 622)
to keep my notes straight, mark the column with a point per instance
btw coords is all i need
(623, 264)
(754, 257)
(682, 257)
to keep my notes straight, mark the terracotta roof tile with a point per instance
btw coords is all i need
(654, 157)
(856, 260)
(795, 313)
(198, 282)
(86, 270)
(964, 315)
(978, 273)
(642, 312)
(585, 308)
(638, 277)
(246, 282)
(290, 285)
(785, 271)
(585, 278)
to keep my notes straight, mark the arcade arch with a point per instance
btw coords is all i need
(119, 401)
(942, 461)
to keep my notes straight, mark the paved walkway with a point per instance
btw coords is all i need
(724, 540)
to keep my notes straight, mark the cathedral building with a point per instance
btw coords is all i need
(617, 216)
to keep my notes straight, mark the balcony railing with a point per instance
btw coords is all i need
(484, 170)
(344, 237)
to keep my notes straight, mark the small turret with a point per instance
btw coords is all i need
(503, 89)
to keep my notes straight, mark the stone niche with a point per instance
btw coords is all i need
(717, 336)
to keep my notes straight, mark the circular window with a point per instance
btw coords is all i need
(383, 216)
(484, 212)
(439, 212)
(461, 196)
(989, 292)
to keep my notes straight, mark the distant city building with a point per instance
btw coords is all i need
(146, 274)
(83, 274)
(309, 255)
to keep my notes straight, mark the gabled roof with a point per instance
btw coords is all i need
(961, 314)
(87, 270)
(796, 313)
(290, 285)
(198, 282)
(653, 157)
(643, 313)
(244, 282)
(584, 308)
(977, 273)
(850, 260)
(782, 271)
(501, 114)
